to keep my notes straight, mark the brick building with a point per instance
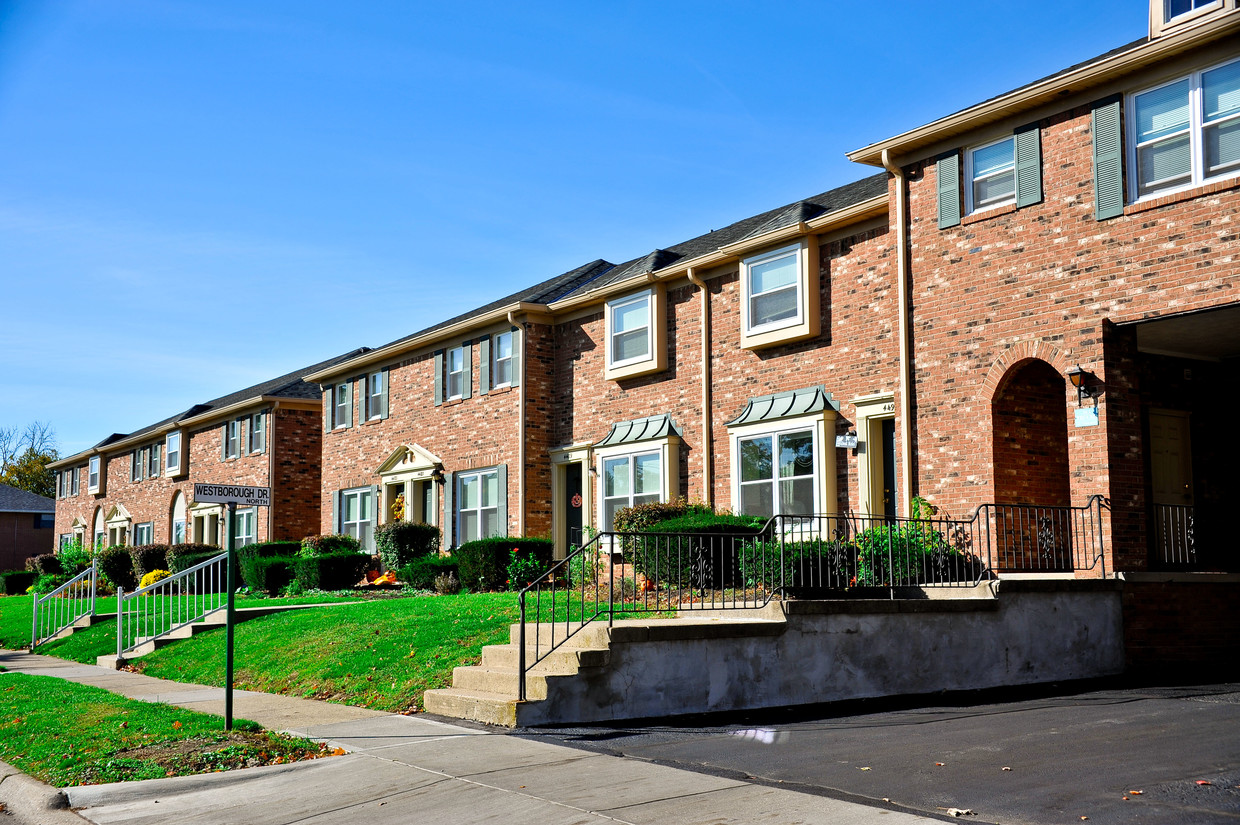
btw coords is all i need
(137, 488)
(26, 526)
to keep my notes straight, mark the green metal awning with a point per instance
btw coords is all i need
(640, 429)
(786, 405)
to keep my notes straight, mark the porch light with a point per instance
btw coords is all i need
(437, 475)
(1085, 383)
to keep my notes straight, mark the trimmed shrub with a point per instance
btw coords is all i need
(268, 574)
(44, 563)
(640, 517)
(116, 567)
(268, 550)
(400, 542)
(420, 574)
(177, 551)
(153, 577)
(323, 545)
(331, 571)
(705, 549)
(15, 582)
(148, 557)
(483, 564)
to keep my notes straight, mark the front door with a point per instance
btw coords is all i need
(1171, 487)
(889, 467)
(572, 504)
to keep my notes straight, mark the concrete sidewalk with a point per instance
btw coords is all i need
(403, 769)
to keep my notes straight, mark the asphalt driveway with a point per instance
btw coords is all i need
(1052, 758)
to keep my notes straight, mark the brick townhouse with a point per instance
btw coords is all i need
(1083, 229)
(26, 526)
(137, 488)
(610, 385)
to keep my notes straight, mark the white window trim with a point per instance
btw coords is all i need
(342, 413)
(232, 439)
(823, 425)
(669, 481)
(147, 527)
(448, 394)
(243, 513)
(969, 207)
(373, 521)
(655, 359)
(646, 297)
(1196, 132)
(373, 404)
(495, 359)
(154, 460)
(251, 430)
(457, 498)
(1160, 24)
(171, 469)
(807, 321)
(95, 473)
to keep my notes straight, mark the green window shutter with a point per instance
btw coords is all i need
(327, 409)
(467, 378)
(1108, 159)
(1028, 165)
(438, 377)
(518, 344)
(948, 170)
(484, 365)
(336, 512)
(502, 478)
(449, 515)
(385, 380)
(374, 518)
(224, 442)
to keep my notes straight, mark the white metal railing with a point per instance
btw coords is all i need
(64, 606)
(170, 604)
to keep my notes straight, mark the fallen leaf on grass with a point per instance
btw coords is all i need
(176, 725)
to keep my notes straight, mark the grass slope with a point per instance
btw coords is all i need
(65, 734)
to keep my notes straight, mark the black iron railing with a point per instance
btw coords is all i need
(1172, 535)
(619, 574)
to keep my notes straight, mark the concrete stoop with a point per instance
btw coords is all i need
(488, 692)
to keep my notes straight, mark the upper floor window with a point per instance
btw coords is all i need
(153, 467)
(137, 464)
(1185, 132)
(92, 478)
(342, 407)
(501, 360)
(1167, 15)
(779, 295)
(232, 438)
(257, 433)
(455, 384)
(377, 395)
(991, 172)
(628, 331)
(172, 451)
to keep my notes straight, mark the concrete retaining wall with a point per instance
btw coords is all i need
(1026, 632)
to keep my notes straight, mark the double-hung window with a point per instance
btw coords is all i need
(629, 331)
(501, 360)
(232, 438)
(75, 477)
(342, 406)
(137, 462)
(779, 295)
(455, 384)
(777, 473)
(376, 395)
(1186, 132)
(991, 174)
(153, 462)
(172, 452)
(478, 500)
(257, 433)
(245, 526)
(357, 515)
(178, 531)
(143, 533)
(92, 476)
(630, 479)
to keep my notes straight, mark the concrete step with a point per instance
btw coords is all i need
(477, 706)
(478, 679)
(561, 660)
(593, 635)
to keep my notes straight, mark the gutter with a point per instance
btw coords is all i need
(512, 319)
(708, 435)
(271, 472)
(906, 366)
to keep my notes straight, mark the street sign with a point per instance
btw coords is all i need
(232, 494)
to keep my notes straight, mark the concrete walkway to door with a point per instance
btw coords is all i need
(403, 769)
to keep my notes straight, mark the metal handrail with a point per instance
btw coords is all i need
(142, 620)
(64, 606)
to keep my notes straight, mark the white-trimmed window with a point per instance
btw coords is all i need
(990, 171)
(172, 451)
(631, 479)
(478, 504)
(245, 526)
(92, 478)
(1186, 132)
(454, 385)
(232, 439)
(501, 360)
(137, 463)
(376, 395)
(777, 473)
(66, 539)
(153, 460)
(357, 515)
(101, 541)
(342, 405)
(629, 338)
(257, 434)
(143, 533)
(779, 295)
(1167, 15)
(178, 531)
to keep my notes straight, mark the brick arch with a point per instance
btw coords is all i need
(1029, 435)
(1014, 355)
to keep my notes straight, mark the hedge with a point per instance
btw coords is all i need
(269, 550)
(176, 551)
(116, 566)
(420, 574)
(323, 545)
(483, 564)
(401, 542)
(641, 517)
(268, 574)
(331, 571)
(44, 563)
(16, 582)
(148, 557)
(705, 551)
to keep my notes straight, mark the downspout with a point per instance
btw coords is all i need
(708, 441)
(512, 319)
(906, 367)
(271, 474)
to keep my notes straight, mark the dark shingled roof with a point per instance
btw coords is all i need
(289, 385)
(799, 212)
(13, 500)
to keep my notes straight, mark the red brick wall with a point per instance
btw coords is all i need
(1181, 624)
(20, 539)
(297, 444)
(1031, 437)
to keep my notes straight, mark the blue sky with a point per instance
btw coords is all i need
(197, 196)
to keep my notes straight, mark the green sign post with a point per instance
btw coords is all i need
(232, 495)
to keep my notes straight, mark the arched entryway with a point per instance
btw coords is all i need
(1029, 426)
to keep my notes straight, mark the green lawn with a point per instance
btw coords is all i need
(65, 734)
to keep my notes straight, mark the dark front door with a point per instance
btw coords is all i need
(572, 504)
(889, 467)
